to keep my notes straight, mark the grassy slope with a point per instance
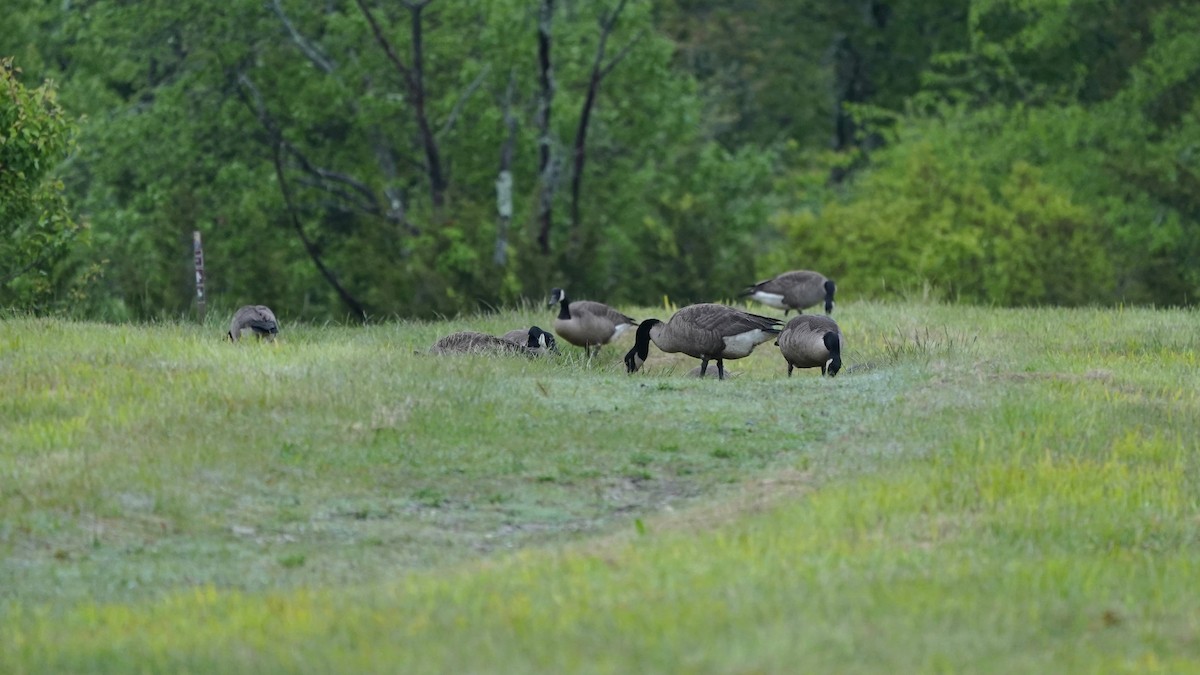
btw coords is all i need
(983, 490)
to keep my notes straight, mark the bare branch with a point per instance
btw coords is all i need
(598, 72)
(385, 44)
(351, 302)
(260, 108)
(310, 50)
(370, 203)
(414, 78)
(458, 105)
(393, 191)
(326, 174)
(350, 202)
(620, 56)
(37, 260)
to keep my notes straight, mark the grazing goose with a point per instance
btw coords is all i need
(535, 338)
(705, 331)
(796, 290)
(257, 318)
(812, 341)
(472, 342)
(585, 323)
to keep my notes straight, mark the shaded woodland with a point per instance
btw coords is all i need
(359, 158)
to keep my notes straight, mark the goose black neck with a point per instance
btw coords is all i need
(833, 344)
(642, 339)
(830, 289)
(641, 345)
(564, 309)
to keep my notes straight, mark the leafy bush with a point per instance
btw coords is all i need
(925, 214)
(36, 229)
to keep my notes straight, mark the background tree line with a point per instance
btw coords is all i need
(415, 157)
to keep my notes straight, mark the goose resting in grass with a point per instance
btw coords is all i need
(587, 324)
(812, 341)
(705, 331)
(796, 290)
(533, 337)
(472, 342)
(256, 318)
(695, 372)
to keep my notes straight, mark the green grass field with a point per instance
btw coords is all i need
(980, 490)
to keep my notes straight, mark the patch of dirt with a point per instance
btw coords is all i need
(1095, 375)
(747, 498)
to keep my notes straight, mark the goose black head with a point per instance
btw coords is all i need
(834, 345)
(830, 288)
(641, 346)
(557, 295)
(540, 341)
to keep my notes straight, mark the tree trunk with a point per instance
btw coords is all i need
(546, 173)
(351, 302)
(504, 180)
(437, 179)
(599, 71)
(414, 79)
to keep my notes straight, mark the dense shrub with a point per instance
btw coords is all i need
(920, 217)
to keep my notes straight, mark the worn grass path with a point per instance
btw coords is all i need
(982, 490)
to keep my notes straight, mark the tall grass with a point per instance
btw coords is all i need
(983, 490)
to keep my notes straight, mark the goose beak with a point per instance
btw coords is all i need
(632, 362)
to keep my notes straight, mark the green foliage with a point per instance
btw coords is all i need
(925, 214)
(1011, 178)
(185, 115)
(1032, 116)
(777, 70)
(697, 243)
(36, 226)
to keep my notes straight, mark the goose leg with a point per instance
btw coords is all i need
(720, 369)
(822, 371)
(703, 367)
(790, 366)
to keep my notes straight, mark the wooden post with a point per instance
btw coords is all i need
(198, 254)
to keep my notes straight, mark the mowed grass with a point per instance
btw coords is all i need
(981, 490)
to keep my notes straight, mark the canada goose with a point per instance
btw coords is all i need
(472, 342)
(257, 318)
(585, 323)
(796, 290)
(705, 331)
(811, 341)
(535, 338)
